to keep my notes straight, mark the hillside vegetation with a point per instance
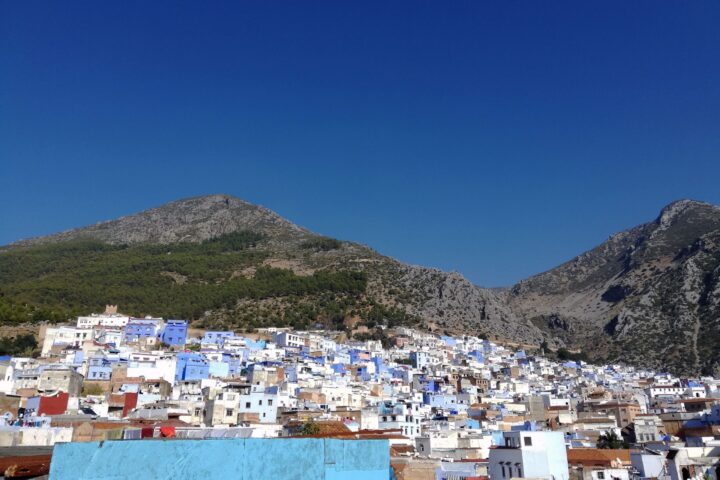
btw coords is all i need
(60, 280)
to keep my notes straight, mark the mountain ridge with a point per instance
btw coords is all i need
(598, 301)
(626, 299)
(226, 213)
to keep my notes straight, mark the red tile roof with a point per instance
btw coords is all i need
(597, 456)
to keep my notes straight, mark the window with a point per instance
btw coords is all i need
(528, 441)
(601, 475)
(259, 402)
(270, 402)
(229, 412)
(503, 471)
(247, 404)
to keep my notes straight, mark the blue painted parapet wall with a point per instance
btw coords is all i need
(240, 459)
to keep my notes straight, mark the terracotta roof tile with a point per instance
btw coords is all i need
(597, 456)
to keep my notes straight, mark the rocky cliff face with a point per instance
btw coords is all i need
(648, 295)
(448, 301)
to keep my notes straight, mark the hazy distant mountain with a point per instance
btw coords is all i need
(648, 295)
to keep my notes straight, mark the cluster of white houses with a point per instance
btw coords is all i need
(451, 408)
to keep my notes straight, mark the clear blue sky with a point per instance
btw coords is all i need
(497, 139)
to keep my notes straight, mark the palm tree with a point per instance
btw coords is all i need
(610, 440)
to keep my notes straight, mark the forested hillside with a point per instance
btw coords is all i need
(184, 280)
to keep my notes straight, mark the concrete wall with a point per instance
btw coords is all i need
(31, 436)
(241, 459)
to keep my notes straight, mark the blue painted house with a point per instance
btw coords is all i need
(217, 337)
(251, 344)
(477, 355)
(338, 368)
(342, 357)
(99, 368)
(191, 366)
(419, 359)
(232, 361)
(235, 361)
(449, 341)
(138, 329)
(174, 333)
(380, 366)
(358, 356)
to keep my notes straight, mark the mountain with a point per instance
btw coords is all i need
(649, 296)
(224, 262)
(190, 220)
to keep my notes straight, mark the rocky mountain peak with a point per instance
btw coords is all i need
(188, 220)
(678, 208)
(616, 299)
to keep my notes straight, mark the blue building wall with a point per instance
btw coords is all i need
(472, 424)
(342, 357)
(356, 355)
(217, 337)
(99, 368)
(175, 332)
(219, 369)
(78, 358)
(191, 366)
(255, 344)
(380, 366)
(448, 340)
(138, 329)
(234, 361)
(477, 355)
(242, 459)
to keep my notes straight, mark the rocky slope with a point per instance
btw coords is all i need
(648, 295)
(190, 220)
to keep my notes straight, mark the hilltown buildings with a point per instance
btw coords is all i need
(447, 407)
